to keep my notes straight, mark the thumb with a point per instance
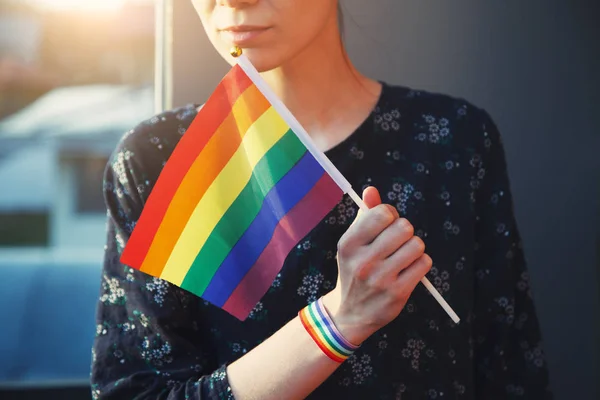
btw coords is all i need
(371, 197)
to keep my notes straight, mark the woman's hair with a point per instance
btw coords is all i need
(341, 19)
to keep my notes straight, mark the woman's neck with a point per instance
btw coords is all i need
(324, 91)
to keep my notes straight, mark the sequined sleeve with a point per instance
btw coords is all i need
(509, 359)
(149, 340)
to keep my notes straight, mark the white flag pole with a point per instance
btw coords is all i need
(321, 158)
(293, 123)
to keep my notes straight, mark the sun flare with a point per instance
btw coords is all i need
(83, 5)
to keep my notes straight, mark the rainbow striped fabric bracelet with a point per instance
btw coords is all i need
(318, 323)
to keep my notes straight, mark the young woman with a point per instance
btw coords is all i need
(436, 184)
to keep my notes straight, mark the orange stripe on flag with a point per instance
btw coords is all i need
(213, 158)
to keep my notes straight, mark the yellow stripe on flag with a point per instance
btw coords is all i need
(261, 136)
(223, 143)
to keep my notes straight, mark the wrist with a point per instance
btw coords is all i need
(351, 327)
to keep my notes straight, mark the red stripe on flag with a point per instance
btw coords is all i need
(291, 229)
(210, 117)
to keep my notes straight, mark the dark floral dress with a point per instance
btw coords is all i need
(441, 162)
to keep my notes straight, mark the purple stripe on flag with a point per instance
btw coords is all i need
(282, 198)
(291, 229)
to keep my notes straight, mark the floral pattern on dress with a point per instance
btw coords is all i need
(440, 162)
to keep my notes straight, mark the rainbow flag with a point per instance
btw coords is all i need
(241, 189)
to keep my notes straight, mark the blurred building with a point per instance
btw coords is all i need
(20, 35)
(52, 157)
(44, 48)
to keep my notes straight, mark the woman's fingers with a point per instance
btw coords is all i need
(410, 277)
(392, 238)
(402, 258)
(369, 225)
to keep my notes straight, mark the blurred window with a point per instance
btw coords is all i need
(75, 75)
(89, 172)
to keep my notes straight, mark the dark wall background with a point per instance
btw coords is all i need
(535, 66)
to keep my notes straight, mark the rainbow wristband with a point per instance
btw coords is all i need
(321, 328)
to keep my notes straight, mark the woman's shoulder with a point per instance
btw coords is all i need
(160, 133)
(420, 103)
(437, 119)
(140, 155)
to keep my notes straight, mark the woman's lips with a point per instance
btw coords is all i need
(242, 35)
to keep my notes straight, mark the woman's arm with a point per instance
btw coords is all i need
(508, 351)
(148, 342)
(147, 335)
(288, 365)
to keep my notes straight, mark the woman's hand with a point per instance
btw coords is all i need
(380, 262)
